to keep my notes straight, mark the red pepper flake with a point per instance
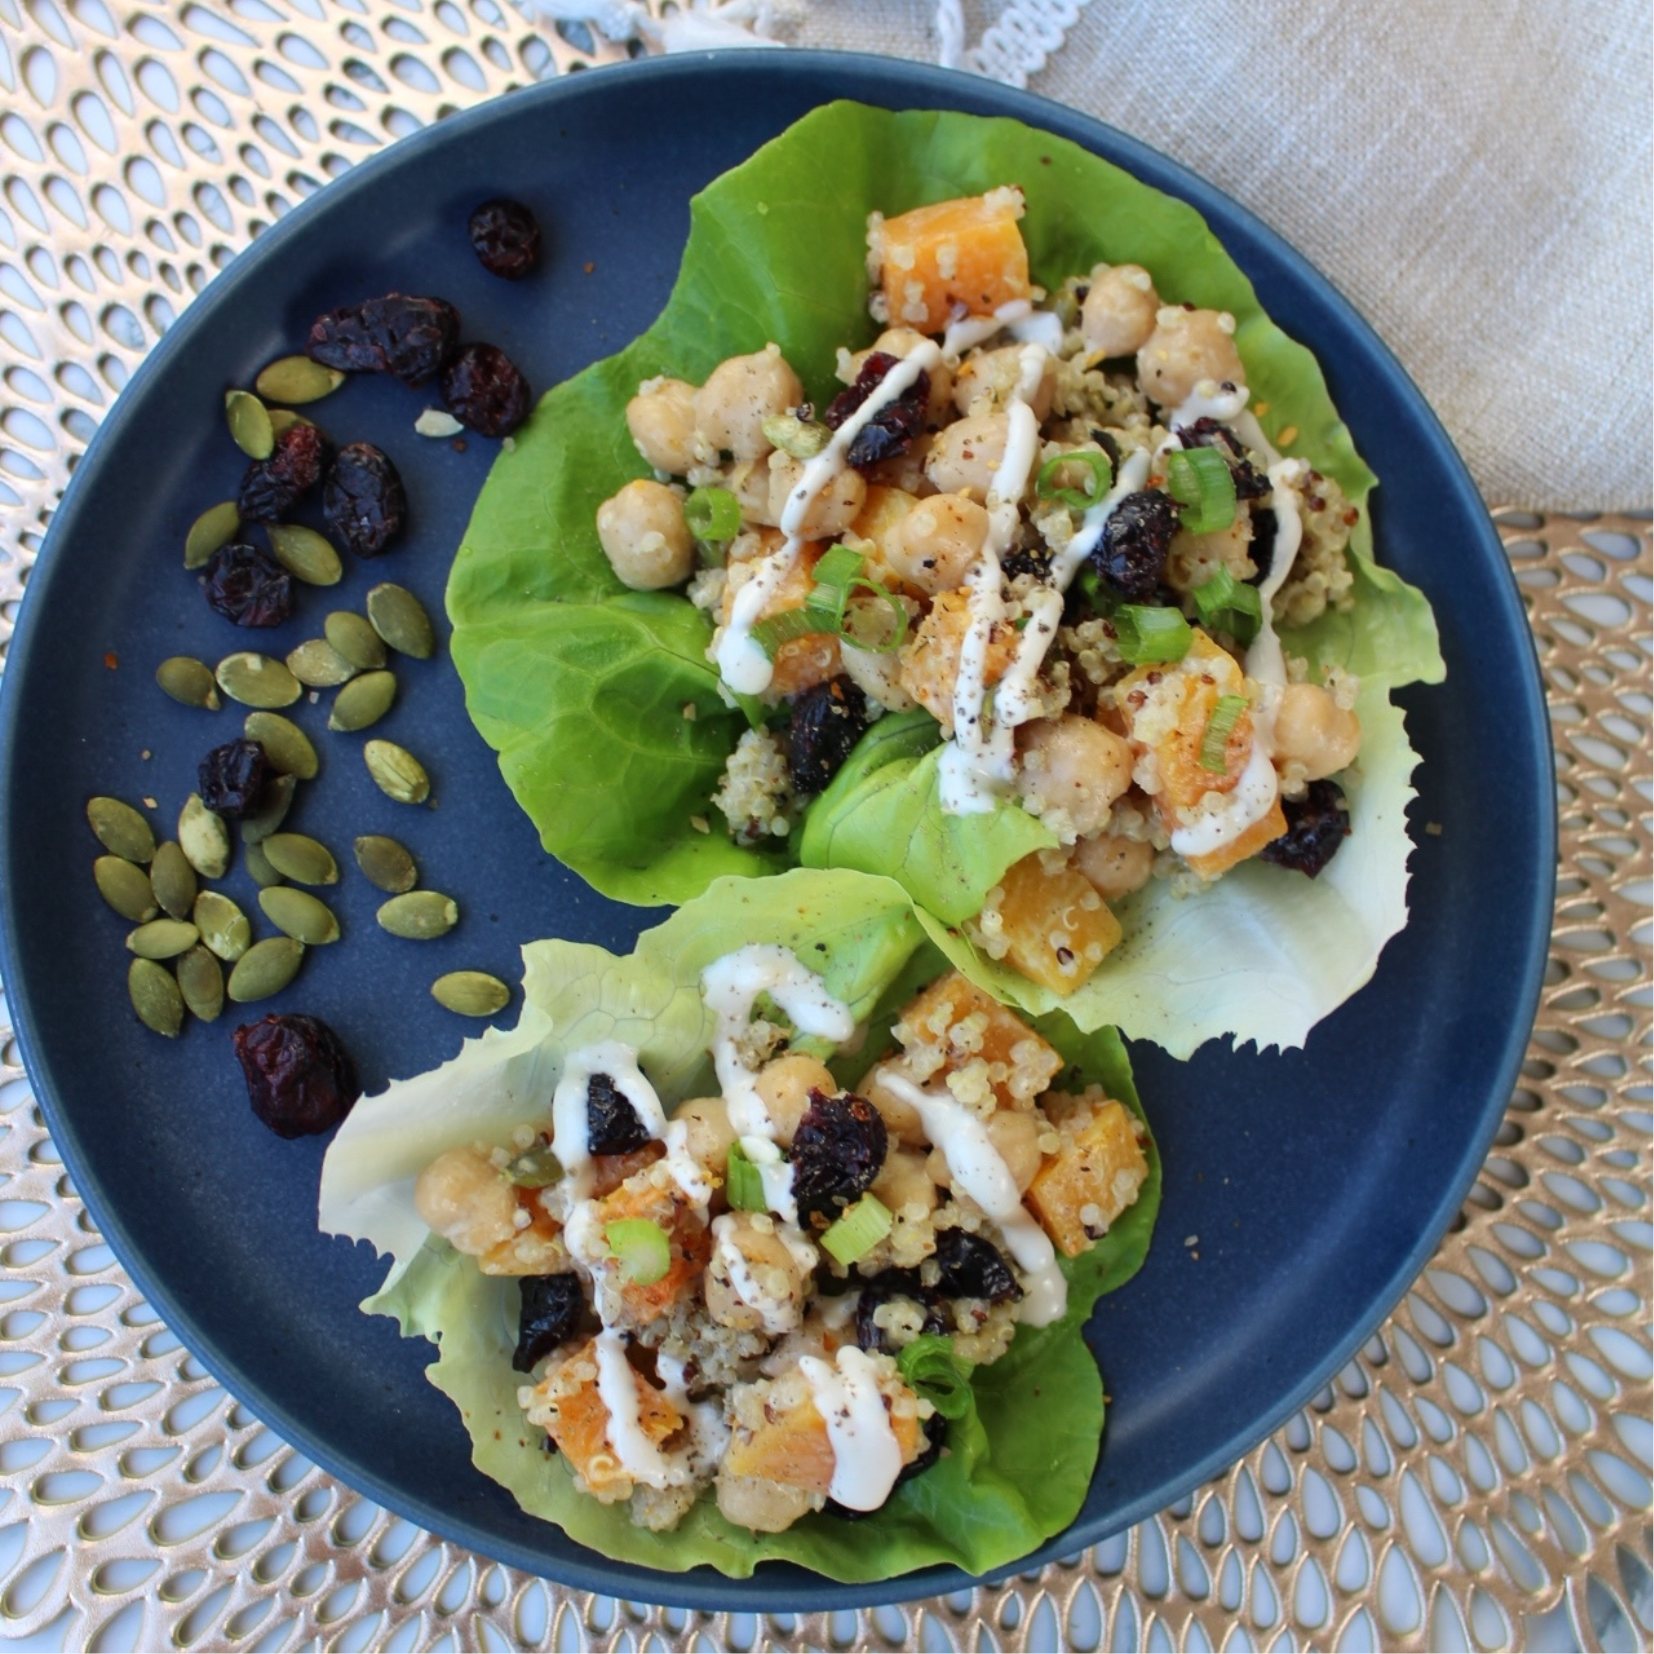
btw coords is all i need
(112, 660)
(459, 445)
(588, 267)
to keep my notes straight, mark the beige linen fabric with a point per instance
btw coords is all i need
(1474, 177)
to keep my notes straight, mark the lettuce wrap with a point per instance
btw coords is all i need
(1014, 1475)
(607, 715)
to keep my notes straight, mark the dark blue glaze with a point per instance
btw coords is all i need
(1318, 1182)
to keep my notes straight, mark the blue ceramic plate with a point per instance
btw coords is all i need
(1317, 1182)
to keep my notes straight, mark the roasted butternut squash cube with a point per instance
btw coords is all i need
(930, 666)
(800, 662)
(883, 508)
(955, 1019)
(686, 1232)
(535, 1249)
(1057, 929)
(967, 252)
(568, 1404)
(788, 1442)
(1091, 1180)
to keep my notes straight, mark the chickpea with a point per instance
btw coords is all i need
(964, 456)
(644, 536)
(1119, 310)
(749, 482)
(1312, 729)
(1195, 558)
(1114, 866)
(935, 544)
(661, 418)
(904, 1181)
(710, 1133)
(877, 676)
(1015, 1134)
(738, 396)
(1076, 767)
(753, 1281)
(1186, 347)
(785, 1086)
(901, 1119)
(463, 1197)
(763, 1506)
(987, 380)
(831, 512)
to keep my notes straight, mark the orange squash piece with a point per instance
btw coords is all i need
(578, 1422)
(1097, 1174)
(686, 1230)
(792, 1447)
(1059, 929)
(801, 662)
(967, 252)
(1006, 1040)
(930, 665)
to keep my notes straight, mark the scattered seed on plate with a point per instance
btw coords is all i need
(300, 858)
(264, 969)
(318, 665)
(258, 866)
(155, 997)
(354, 638)
(126, 887)
(470, 993)
(273, 804)
(297, 379)
(396, 772)
(304, 917)
(249, 424)
(400, 619)
(173, 880)
(224, 927)
(257, 680)
(201, 982)
(438, 423)
(215, 527)
(419, 916)
(386, 863)
(203, 838)
(305, 554)
(287, 748)
(188, 681)
(162, 938)
(363, 701)
(120, 829)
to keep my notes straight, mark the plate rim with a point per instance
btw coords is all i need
(774, 1586)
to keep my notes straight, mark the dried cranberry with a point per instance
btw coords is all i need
(364, 501)
(483, 389)
(837, 1151)
(408, 336)
(506, 238)
(1131, 555)
(973, 1268)
(300, 1079)
(828, 720)
(247, 585)
(553, 1307)
(1316, 825)
(895, 1283)
(232, 777)
(1265, 525)
(892, 429)
(612, 1124)
(271, 487)
(1205, 432)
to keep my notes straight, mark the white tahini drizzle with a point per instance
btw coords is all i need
(867, 1458)
(742, 663)
(634, 1452)
(1247, 802)
(979, 1170)
(1265, 660)
(970, 331)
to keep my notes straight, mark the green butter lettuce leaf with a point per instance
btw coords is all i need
(1014, 1474)
(776, 252)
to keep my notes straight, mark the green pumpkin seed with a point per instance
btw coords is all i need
(400, 619)
(201, 982)
(284, 419)
(396, 772)
(264, 969)
(287, 748)
(203, 838)
(188, 681)
(163, 938)
(318, 665)
(304, 917)
(258, 865)
(257, 680)
(419, 916)
(363, 701)
(471, 993)
(155, 997)
(120, 829)
(214, 528)
(173, 880)
(355, 639)
(385, 863)
(297, 379)
(273, 805)
(224, 927)
(126, 888)
(249, 424)
(305, 554)
(302, 859)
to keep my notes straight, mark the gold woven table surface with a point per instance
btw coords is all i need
(1479, 1476)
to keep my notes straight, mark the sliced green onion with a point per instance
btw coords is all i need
(535, 1168)
(1151, 637)
(790, 624)
(930, 1368)
(879, 627)
(838, 566)
(744, 1183)
(1200, 480)
(1081, 499)
(837, 576)
(1214, 745)
(641, 1249)
(1229, 605)
(859, 1230)
(713, 514)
